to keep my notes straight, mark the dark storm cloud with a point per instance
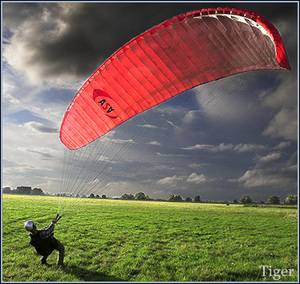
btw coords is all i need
(75, 38)
(14, 19)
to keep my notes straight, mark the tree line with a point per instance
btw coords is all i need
(274, 200)
(23, 190)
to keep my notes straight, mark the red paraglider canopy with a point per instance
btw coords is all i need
(188, 50)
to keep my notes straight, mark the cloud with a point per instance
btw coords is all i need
(64, 43)
(271, 170)
(200, 147)
(39, 127)
(24, 103)
(149, 126)
(155, 143)
(282, 99)
(103, 158)
(283, 125)
(38, 45)
(249, 148)
(268, 160)
(227, 147)
(35, 155)
(169, 180)
(282, 145)
(111, 139)
(94, 182)
(284, 95)
(227, 100)
(196, 165)
(192, 178)
(43, 153)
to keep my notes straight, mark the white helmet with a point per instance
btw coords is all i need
(29, 225)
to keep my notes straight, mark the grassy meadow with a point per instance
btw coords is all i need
(114, 240)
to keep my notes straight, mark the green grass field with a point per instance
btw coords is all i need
(114, 240)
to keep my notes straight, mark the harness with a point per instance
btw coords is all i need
(43, 246)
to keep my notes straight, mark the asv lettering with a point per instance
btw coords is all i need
(106, 106)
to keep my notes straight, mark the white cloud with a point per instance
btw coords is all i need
(194, 178)
(18, 96)
(155, 143)
(37, 127)
(227, 147)
(106, 159)
(249, 148)
(169, 180)
(284, 101)
(35, 155)
(149, 126)
(226, 99)
(282, 145)
(262, 178)
(223, 147)
(269, 159)
(200, 147)
(94, 182)
(118, 141)
(196, 165)
(271, 170)
(285, 96)
(283, 125)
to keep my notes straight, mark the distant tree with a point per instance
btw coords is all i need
(291, 200)
(235, 201)
(92, 195)
(178, 198)
(261, 202)
(126, 196)
(97, 196)
(104, 196)
(37, 191)
(130, 196)
(140, 196)
(23, 190)
(197, 199)
(246, 199)
(274, 200)
(77, 195)
(6, 190)
(188, 199)
(170, 198)
(174, 198)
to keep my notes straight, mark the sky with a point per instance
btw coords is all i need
(223, 140)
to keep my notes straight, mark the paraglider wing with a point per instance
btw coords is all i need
(183, 52)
